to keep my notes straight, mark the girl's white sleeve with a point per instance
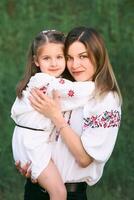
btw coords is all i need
(22, 105)
(73, 94)
(100, 127)
(40, 81)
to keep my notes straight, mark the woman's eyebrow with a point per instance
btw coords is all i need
(78, 53)
(82, 52)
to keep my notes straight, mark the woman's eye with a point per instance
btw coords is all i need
(68, 58)
(83, 56)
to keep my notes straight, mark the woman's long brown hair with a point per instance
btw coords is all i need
(104, 76)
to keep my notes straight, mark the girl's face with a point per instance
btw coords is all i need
(78, 62)
(50, 59)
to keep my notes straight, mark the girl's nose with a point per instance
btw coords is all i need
(53, 62)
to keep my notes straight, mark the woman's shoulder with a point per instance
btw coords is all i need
(109, 102)
(109, 99)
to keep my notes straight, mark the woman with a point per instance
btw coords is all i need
(87, 135)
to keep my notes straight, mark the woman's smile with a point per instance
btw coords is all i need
(79, 63)
(77, 73)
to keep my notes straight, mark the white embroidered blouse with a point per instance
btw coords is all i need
(97, 123)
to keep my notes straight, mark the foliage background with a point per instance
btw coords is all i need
(19, 22)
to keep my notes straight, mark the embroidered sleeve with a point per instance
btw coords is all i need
(105, 120)
(70, 91)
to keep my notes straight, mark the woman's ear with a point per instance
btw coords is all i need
(35, 60)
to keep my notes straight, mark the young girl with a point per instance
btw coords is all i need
(32, 136)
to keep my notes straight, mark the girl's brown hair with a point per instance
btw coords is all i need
(104, 77)
(47, 36)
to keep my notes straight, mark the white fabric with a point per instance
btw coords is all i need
(97, 141)
(35, 146)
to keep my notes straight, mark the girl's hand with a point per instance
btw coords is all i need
(49, 107)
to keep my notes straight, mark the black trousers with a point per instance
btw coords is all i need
(35, 192)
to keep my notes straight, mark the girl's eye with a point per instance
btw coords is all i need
(46, 58)
(60, 57)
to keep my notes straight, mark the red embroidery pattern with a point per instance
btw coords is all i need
(62, 81)
(44, 88)
(70, 93)
(106, 120)
(68, 121)
(57, 134)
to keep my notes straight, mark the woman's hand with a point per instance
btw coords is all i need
(49, 107)
(25, 170)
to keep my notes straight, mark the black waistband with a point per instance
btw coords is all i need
(72, 187)
(76, 187)
(33, 129)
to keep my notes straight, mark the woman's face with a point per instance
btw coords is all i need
(78, 62)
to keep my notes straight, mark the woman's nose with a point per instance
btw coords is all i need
(75, 63)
